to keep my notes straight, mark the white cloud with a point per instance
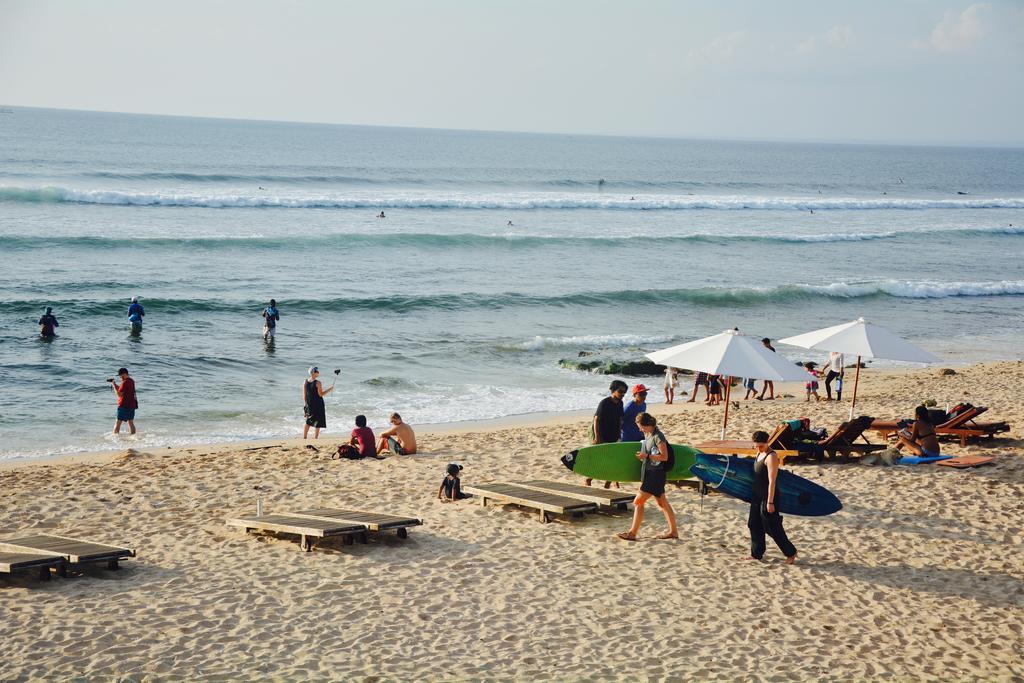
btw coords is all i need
(837, 36)
(957, 32)
(722, 49)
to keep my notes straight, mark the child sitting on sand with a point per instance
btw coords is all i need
(812, 384)
(451, 485)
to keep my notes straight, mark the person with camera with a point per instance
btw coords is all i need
(313, 403)
(127, 402)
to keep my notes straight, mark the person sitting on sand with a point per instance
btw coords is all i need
(920, 439)
(48, 324)
(399, 438)
(361, 445)
(451, 485)
(657, 458)
(763, 517)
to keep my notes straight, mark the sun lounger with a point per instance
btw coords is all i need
(887, 428)
(963, 425)
(843, 443)
(776, 441)
(591, 494)
(12, 561)
(545, 503)
(308, 530)
(72, 550)
(374, 521)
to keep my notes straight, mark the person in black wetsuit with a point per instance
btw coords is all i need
(313, 403)
(47, 324)
(764, 518)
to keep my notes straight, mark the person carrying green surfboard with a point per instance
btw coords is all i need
(607, 424)
(657, 458)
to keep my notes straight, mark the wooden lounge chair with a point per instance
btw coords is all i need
(11, 562)
(843, 443)
(72, 550)
(308, 530)
(545, 503)
(886, 428)
(777, 441)
(610, 497)
(963, 425)
(374, 521)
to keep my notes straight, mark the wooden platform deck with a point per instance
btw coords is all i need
(592, 494)
(305, 528)
(11, 562)
(374, 521)
(73, 550)
(545, 503)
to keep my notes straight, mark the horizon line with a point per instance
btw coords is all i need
(1007, 145)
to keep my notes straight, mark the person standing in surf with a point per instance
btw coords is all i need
(135, 314)
(657, 458)
(127, 401)
(270, 318)
(313, 403)
(48, 324)
(764, 518)
(607, 423)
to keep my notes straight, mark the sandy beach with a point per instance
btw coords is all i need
(919, 577)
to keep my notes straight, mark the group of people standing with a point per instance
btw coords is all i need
(614, 420)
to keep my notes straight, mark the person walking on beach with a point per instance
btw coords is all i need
(700, 380)
(657, 460)
(135, 314)
(714, 390)
(313, 403)
(127, 401)
(671, 380)
(811, 387)
(763, 517)
(630, 430)
(399, 438)
(270, 318)
(835, 372)
(607, 423)
(769, 385)
(48, 324)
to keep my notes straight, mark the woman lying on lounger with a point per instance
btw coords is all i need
(920, 439)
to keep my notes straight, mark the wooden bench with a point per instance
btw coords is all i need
(72, 550)
(374, 521)
(546, 504)
(591, 494)
(11, 562)
(308, 530)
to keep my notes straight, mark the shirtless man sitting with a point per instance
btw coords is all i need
(399, 439)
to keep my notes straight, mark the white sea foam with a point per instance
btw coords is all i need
(592, 341)
(919, 289)
(507, 201)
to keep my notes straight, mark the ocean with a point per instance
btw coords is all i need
(501, 254)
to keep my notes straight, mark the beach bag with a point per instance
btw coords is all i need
(348, 452)
(671, 462)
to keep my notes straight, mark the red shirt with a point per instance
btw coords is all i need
(126, 395)
(364, 437)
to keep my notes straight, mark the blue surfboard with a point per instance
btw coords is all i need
(794, 495)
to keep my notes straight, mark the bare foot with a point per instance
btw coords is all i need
(667, 535)
(752, 558)
(587, 481)
(626, 536)
(791, 560)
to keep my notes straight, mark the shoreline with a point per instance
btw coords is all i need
(491, 425)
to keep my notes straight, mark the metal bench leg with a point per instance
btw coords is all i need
(403, 532)
(305, 543)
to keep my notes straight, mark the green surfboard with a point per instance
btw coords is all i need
(617, 461)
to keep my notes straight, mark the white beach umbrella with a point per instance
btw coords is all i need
(733, 355)
(864, 340)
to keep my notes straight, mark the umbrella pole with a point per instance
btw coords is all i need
(725, 420)
(856, 381)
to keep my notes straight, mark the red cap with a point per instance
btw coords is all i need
(639, 388)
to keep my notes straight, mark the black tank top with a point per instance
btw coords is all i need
(313, 397)
(761, 477)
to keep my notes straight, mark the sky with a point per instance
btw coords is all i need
(895, 71)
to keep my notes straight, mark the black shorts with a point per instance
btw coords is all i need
(654, 483)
